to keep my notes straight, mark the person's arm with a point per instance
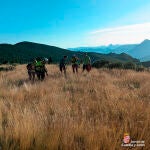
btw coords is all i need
(28, 67)
(66, 62)
(46, 71)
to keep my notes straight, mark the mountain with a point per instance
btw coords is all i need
(112, 57)
(100, 49)
(147, 58)
(23, 52)
(146, 64)
(141, 51)
(107, 49)
(124, 48)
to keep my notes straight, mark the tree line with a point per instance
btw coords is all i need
(118, 65)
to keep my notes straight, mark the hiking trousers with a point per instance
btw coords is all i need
(31, 75)
(75, 68)
(87, 67)
(40, 75)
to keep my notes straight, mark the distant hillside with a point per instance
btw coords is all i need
(146, 64)
(98, 49)
(107, 49)
(112, 57)
(25, 51)
(147, 58)
(141, 51)
(124, 48)
(101, 49)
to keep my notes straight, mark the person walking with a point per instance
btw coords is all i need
(62, 64)
(74, 62)
(86, 63)
(31, 71)
(40, 69)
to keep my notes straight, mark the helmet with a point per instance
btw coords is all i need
(45, 59)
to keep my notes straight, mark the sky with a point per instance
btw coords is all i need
(75, 23)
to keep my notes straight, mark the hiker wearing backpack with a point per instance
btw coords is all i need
(40, 69)
(75, 64)
(62, 64)
(31, 71)
(86, 63)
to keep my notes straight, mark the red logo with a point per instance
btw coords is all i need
(126, 138)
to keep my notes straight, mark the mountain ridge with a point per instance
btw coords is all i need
(25, 51)
(140, 51)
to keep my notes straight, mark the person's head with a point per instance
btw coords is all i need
(45, 60)
(65, 57)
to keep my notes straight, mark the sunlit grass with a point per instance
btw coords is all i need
(84, 111)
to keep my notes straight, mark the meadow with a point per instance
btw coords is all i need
(78, 112)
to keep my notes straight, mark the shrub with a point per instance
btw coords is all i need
(140, 68)
(115, 65)
(130, 65)
(8, 68)
(100, 64)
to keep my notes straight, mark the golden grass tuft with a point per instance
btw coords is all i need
(84, 111)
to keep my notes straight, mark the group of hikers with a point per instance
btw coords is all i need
(38, 68)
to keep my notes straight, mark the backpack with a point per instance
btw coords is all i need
(39, 66)
(74, 60)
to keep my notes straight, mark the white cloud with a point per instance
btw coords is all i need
(120, 35)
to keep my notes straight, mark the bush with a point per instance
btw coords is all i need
(130, 65)
(115, 65)
(100, 64)
(140, 68)
(8, 68)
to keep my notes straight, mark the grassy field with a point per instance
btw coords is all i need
(80, 112)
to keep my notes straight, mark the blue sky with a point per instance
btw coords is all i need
(74, 23)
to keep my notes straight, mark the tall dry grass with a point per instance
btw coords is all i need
(84, 111)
